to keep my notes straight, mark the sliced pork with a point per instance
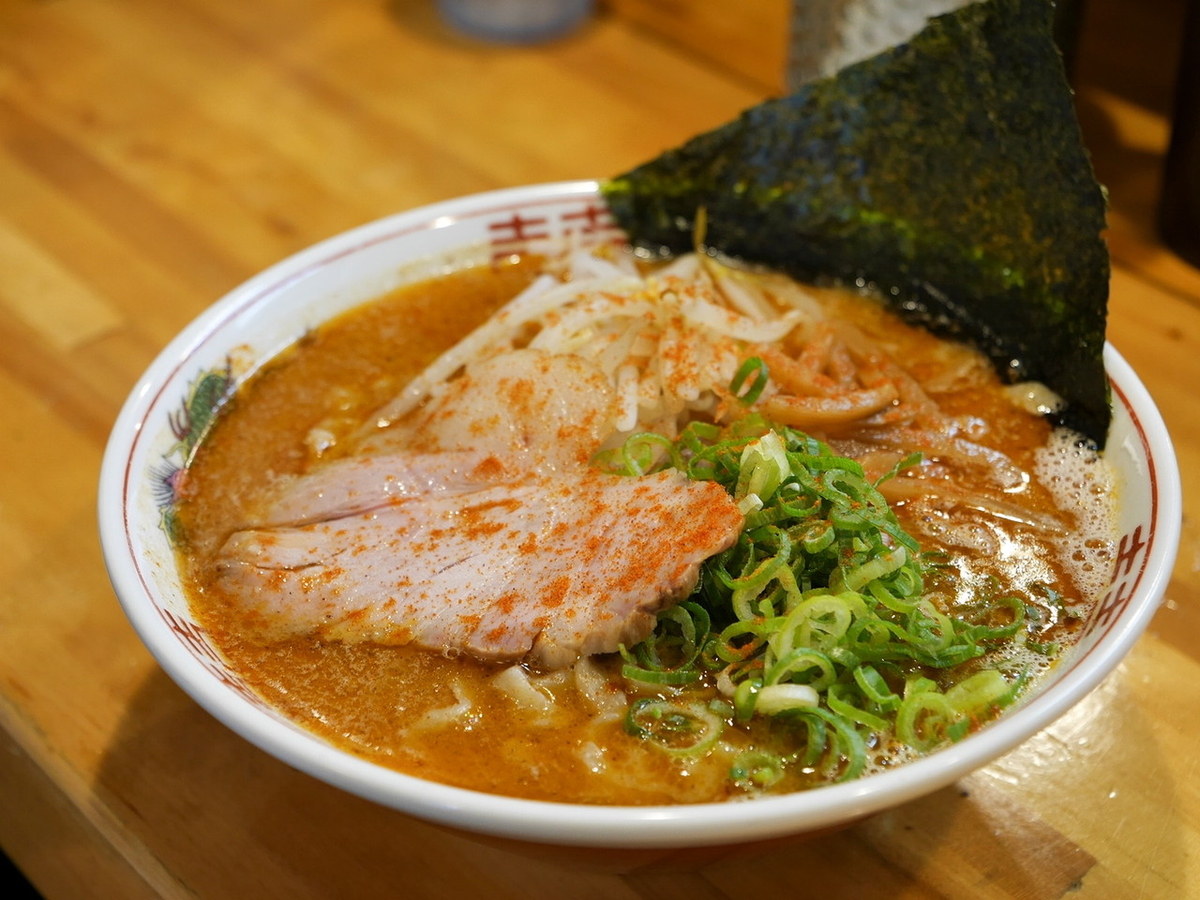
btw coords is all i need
(357, 484)
(544, 570)
(476, 526)
(541, 411)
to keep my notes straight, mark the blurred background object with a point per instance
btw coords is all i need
(1179, 209)
(516, 21)
(829, 34)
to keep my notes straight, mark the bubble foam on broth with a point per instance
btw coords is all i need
(1082, 480)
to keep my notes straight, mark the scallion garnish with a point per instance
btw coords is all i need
(816, 618)
(678, 728)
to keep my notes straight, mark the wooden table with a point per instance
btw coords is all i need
(153, 155)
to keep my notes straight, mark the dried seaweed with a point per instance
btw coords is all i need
(948, 172)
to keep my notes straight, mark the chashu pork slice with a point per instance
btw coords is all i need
(358, 484)
(524, 412)
(543, 568)
(543, 411)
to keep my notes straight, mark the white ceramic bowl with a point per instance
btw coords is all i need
(272, 310)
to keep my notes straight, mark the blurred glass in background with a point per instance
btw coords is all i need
(515, 21)
(829, 34)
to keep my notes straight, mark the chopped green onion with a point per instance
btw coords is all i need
(777, 698)
(816, 615)
(850, 744)
(683, 645)
(839, 699)
(978, 692)
(751, 367)
(679, 729)
(762, 468)
(871, 683)
(797, 666)
(757, 769)
(923, 720)
(641, 451)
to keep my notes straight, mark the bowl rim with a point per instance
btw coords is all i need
(563, 823)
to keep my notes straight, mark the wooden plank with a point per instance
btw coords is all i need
(748, 39)
(59, 850)
(154, 155)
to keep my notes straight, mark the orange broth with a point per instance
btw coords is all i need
(372, 700)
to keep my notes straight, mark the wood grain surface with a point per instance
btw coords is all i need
(153, 155)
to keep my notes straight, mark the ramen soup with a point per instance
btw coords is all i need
(588, 532)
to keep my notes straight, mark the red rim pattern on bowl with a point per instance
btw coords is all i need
(536, 219)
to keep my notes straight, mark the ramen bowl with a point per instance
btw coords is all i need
(165, 415)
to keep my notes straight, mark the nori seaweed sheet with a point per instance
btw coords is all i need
(949, 172)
